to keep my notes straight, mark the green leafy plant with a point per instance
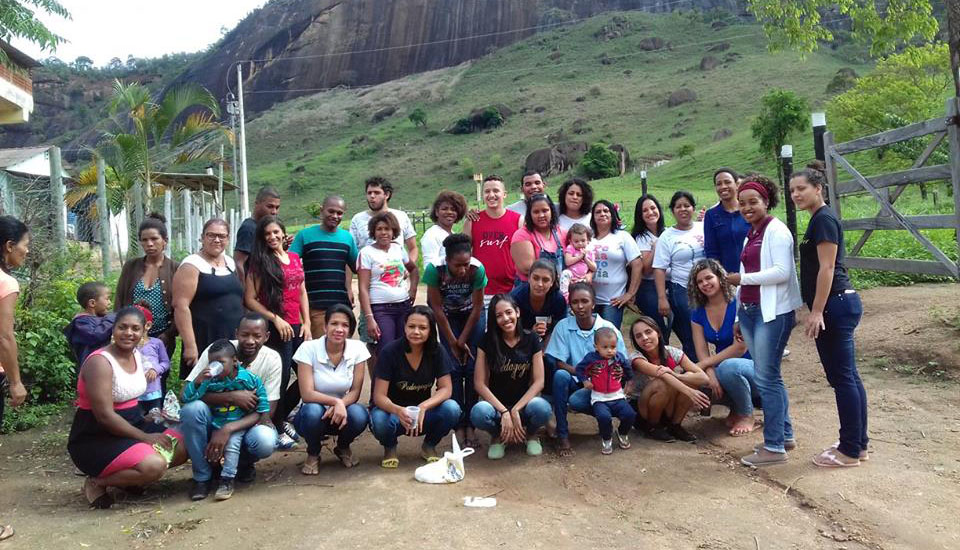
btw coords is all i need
(600, 162)
(418, 117)
(782, 113)
(685, 150)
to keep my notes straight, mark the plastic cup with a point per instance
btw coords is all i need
(216, 369)
(413, 412)
(545, 319)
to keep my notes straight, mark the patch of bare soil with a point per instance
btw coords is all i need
(655, 495)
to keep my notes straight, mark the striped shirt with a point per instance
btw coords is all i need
(325, 255)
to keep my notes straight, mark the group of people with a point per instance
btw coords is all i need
(523, 323)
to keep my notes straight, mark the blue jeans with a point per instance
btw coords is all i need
(462, 375)
(196, 425)
(766, 342)
(437, 423)
(314, 428)
(835, 346)
(680, 306)
(648, 303)
(567, 392)
(534, 415)
(611, 313)
(737, 378)
(606, 410)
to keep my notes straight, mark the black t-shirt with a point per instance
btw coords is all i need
(824, 227)
(245, 235)
(410, 387)
(511, 378)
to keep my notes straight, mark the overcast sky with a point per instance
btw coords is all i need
(103, 29)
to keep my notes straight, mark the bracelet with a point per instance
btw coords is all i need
(504, 411)
(368, 315)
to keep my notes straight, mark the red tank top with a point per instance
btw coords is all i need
(491, 245)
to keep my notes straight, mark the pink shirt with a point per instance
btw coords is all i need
(540, 245)
(580, 269)
(491, 246)
(292, 279)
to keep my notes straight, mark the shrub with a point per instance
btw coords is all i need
(467, 167)
(600, 162)
(418, 117)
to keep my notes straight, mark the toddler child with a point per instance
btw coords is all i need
(603, 373)
(156, 363)
(90, 329)
(578, 258)
(224, 374)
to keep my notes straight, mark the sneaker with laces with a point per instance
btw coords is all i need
(607, 447)
(285, 442)
(199, 490)
(225, 490)
(291, 431)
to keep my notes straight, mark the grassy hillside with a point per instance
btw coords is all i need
(329, 143)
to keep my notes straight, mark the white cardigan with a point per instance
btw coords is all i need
(779, 289)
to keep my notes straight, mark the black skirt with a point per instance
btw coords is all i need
(92, 448)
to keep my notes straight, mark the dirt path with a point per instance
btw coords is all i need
(670, 495)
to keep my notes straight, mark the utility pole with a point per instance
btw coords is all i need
(232, 109)
(56, 199)
(219, 200)
(104, 214)
(786, 163)
(244, 190)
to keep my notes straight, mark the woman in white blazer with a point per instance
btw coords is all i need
(769, 293)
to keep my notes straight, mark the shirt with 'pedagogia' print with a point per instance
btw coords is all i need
(409, 386)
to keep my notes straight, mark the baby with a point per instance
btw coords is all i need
(603, 373)
(578, 259)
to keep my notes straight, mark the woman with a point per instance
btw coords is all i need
(724, 229)
(575, 200)
(618, 261)
(14, 246)
(407, 372)
(330, 373)
(541, 307)
(647, 227)
(150, 279)
(678, 248)
(667, 382)
(274, 287)
(835, 311)
(539, 238)
(769, 294)
(207, 295)
(455, 293)
(509, 378)
(387, 281)
(448, 208)
(110, 441)
(729, 368)
(571, 341)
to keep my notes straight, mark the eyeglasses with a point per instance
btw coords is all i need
(216, 236)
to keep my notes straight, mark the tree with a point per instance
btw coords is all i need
(782, 113)
(798, 24)
(418, 117)
(82, 64)
(18, 20)
(600, 162)
(685, 150)
(115, 64)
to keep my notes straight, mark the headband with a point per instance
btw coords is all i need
(756, 186)
(147, 314)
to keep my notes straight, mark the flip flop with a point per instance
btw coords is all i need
(390, 463)
(428, 457)
(6, 531)
(311, 469)
(346, 457)
(829, 459)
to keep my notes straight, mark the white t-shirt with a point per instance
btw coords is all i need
(360, 231)
(389, 279)
(678, 250)
(329, 379)
(203, 266)
(431, 246)
(519, 207)
(612, 254)
(645, 243)
(267, 366)
(566, 222)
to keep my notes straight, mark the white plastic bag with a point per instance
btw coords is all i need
(171, 407)
(448, 469)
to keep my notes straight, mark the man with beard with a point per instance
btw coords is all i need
(329, 257)
(196, 418)
(379, 192)
(266, 204)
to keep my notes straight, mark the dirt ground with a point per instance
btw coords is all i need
(672, 495)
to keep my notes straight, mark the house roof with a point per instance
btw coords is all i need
(19, 57)
(194, 182)
(13, 157)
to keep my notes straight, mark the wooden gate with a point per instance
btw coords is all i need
(888, 218)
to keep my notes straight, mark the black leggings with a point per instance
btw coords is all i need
(289, 397)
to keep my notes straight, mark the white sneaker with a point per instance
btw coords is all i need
(285, 442)
(786, 352)
(607, 447)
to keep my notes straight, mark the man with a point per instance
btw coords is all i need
(266, 204)
(490, 231)
(379, 192)
(329, 257)
(530, 185)
(196, 418)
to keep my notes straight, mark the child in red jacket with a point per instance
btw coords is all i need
(604, 373)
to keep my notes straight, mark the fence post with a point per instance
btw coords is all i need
(187, 222)
(56, 199)
(643, 182)
(819, 121)
(168, 214)
(831, 172)
(786, 164)
(953, 133)
(103, 213)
